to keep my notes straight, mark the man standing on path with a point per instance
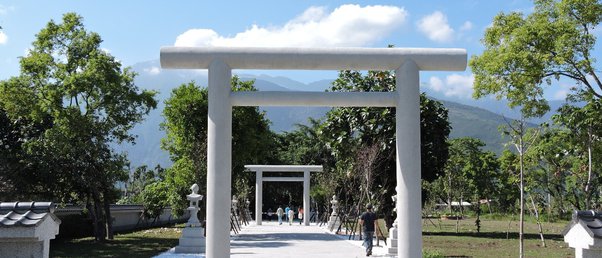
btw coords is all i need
(368, 221)
(279, 212)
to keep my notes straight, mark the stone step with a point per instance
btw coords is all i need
(392, 250)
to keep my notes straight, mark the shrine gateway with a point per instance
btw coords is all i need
(407, 63)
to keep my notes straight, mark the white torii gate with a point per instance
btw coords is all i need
(407, 63)
(259, 179)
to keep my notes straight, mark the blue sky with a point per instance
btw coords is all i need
(133, 31)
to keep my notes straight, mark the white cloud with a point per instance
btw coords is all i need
(153, 70)
(347, 25)
(455, 85)
(466, 26)
(435, 84)
(3, 38)
(436, 28)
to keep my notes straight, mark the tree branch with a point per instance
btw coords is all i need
(584, 80)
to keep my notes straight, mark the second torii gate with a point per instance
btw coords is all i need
(259, 169)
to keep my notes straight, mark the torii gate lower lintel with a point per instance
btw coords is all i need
(259, 179)
(407, 63)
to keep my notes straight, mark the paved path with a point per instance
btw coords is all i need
(271, 240)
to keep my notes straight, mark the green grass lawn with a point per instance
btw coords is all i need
(144, 243)
(438, 236)
(493, 241)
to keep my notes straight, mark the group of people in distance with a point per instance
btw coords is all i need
(288, 214)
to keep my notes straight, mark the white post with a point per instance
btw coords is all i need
(219, 160)
(306, 200)
(407, 123)
(258, 196)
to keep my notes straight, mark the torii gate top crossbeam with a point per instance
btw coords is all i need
(284, 168)
(427, 59)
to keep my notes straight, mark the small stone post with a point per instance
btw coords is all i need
(248, 212)
(235, 207)
(193, 239)
(392, 239)
(334, 222)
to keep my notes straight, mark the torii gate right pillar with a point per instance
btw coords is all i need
(407, 130)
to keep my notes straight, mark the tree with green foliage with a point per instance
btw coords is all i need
(350, 134)
(521, 138)
(186, 126)
(19, 179)
(507, 181)
(471, 173)
(302, 146)
(137, 182)
(554, 156)
(524, 54)
(81, 100)
(585, 130)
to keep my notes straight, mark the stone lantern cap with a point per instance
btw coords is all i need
(590, 221)
(584, 233)
(194, 196)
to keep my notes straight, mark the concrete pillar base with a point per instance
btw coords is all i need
(192, 241)
(334, 222)
(587, 253)
(392, 241)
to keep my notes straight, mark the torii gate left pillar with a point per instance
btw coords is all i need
(259, 179)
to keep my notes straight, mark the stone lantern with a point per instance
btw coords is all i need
(247, 211)
(584, 233)
(334, 221)
(193, 239)
(235, 207)
(335, 205)
(234, 203)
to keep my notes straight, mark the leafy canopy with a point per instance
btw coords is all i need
(524, 54)
(71, 101)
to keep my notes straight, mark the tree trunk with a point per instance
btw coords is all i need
(478, 221)
(522, 192)
(462, 205)
(589, 168)
(457, 224)
(508, 229)
(543, 241)
(449, 198)
(98, 219)
(92, 213)
(109, 220)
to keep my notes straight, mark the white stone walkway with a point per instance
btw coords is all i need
(285, 241)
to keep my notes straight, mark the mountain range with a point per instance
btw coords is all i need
(469, 118)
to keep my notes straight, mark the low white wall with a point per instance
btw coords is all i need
(129, 217)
